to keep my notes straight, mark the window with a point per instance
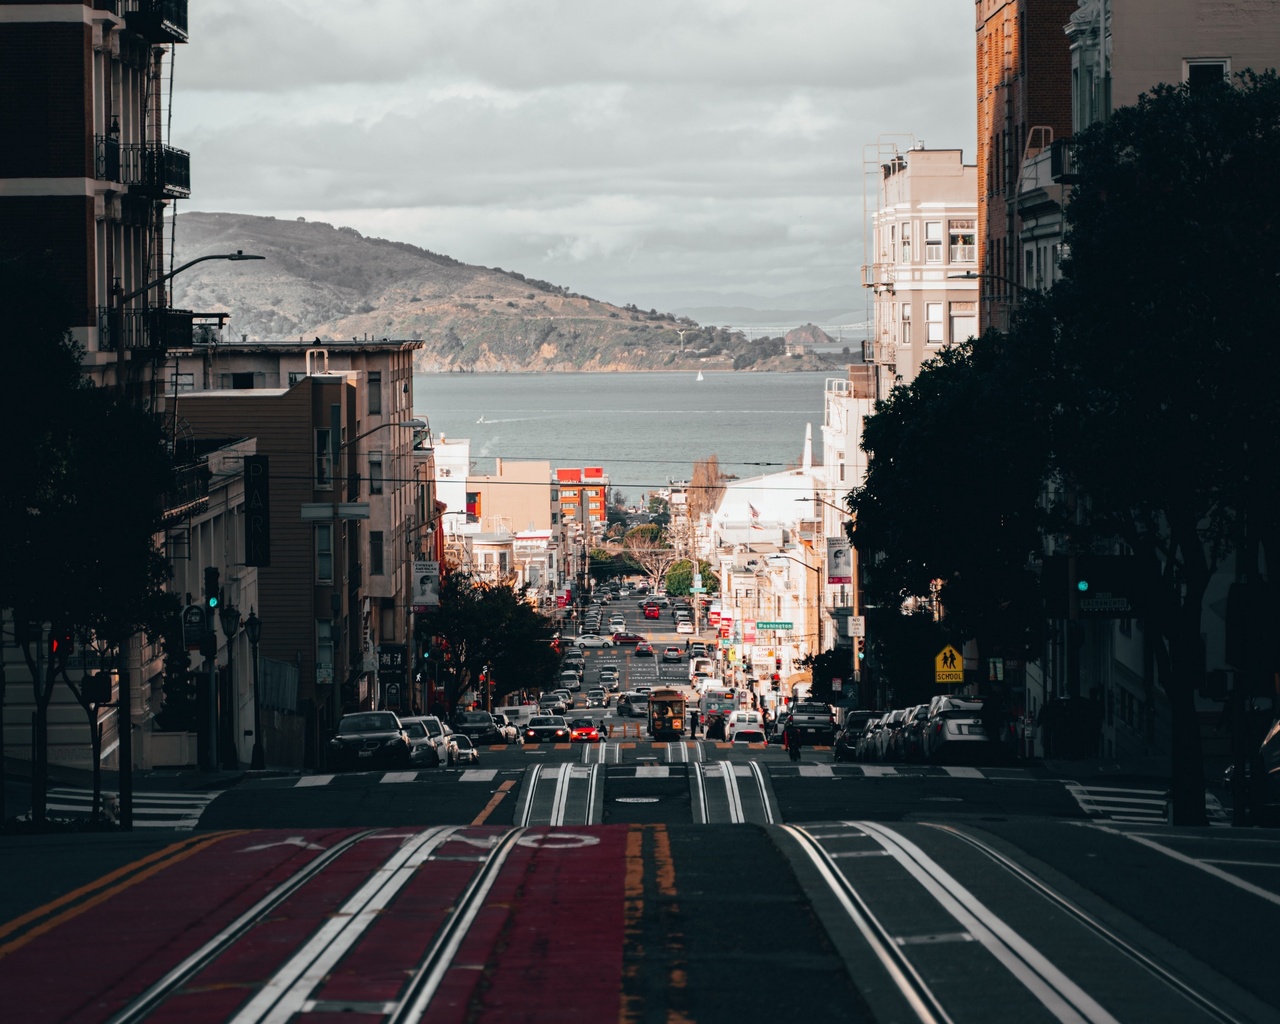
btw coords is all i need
(1201, 73)
(324, 643)
(375, 472)
(324, 460)
(182, 383)
(906, 242)
(375, 392)
(375, 553)
(933, 241)
(324, 552)
(906, 324)
(964, 321)
(295, 376)
(933, 323)
(964, 244)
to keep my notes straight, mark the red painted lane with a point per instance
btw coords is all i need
(380, 966)
(118, 948)
(548, 944)
(235, 977)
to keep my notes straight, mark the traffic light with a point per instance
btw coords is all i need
(777, 664)
(61, 644)
(212, 588)
(862, 648)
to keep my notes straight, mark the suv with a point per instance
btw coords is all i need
(551, 704)
(478, 726)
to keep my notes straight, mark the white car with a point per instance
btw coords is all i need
(737, 721)
(435, 750)
(592, 640)
(684, 626)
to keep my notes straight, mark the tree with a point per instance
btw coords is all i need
(1166, 413)
(970, 414)
(81, 511)
(680, 578)
(646, 548)
(706, 487)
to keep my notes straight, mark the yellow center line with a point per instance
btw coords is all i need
(493, 803)
(150, 865)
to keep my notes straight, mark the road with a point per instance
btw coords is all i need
(634, 881)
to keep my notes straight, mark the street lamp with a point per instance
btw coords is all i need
(229, 616)
(253, 630)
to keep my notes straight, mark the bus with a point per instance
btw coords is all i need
(667, 718)
(717, 702)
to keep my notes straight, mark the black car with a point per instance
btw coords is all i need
(478, 726)
(547, 729)
(370, 739)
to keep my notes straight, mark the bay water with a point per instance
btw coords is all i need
(644, 429)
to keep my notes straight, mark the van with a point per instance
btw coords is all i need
(517, 714)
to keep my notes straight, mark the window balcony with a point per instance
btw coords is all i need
(964, 254)
(160, 330)
(158, 21)
(106, 157)
(190, 491)
(1062, 162)
(157, 171)
(878, 276)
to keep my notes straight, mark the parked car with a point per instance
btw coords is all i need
(583, 730)
(909, 741)
(889, 726)
(845, 745)
(547, 729)
(954, 731)
(422, 747)
(464, 751)
(866, 748)
(370, 739)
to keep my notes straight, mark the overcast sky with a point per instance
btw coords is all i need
(663, 152)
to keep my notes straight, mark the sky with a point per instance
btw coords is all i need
(667, 153)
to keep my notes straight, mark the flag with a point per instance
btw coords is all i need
(755, 516)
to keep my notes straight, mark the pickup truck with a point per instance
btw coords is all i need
(816, 722)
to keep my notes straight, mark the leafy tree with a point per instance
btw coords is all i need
(680, 578)
(1166, 417)
(81, 512)
(478, 625)
(970, 415)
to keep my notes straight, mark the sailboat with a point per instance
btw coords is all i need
(700, 377)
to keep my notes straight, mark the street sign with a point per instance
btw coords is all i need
(194, 625)
(857, 625)
(948, 666)
(697, 590)
(773, 625)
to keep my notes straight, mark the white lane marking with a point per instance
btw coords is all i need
(399, 777)
(479, 775)
(314, 780)
(878, 771)
(293, 983)
(291, 841)
(1061, 996)
(653, 771)
(731, 792)
(817, 771)
(961, 772)
(561, 798)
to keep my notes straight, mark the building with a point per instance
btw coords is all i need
(516, 496)
(1022, 61)
(583, 495)
(334, 581)
(922, 239)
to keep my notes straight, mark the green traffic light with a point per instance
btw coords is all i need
(213, 602)
(1082, 586)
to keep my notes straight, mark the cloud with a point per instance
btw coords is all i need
(632, 150)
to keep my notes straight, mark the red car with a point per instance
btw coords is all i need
(644, 649)
(652, 611)
(628, 638)
(583, 730)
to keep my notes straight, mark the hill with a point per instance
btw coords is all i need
(319, 281)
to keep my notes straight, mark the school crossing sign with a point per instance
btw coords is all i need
(948, 666)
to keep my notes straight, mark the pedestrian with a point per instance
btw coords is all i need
(792, 741)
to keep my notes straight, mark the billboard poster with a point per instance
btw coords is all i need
(426, 584)
(839, 560)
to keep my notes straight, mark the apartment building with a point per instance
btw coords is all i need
(922, 243)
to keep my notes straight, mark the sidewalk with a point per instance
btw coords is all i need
(1144, 771)
(177, 780)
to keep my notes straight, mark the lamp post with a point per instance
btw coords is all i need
(229, 616)
(253, 630)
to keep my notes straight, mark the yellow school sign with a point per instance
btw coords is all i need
(948, 666)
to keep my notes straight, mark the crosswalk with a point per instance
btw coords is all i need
(180, 811)
(1136, 806)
